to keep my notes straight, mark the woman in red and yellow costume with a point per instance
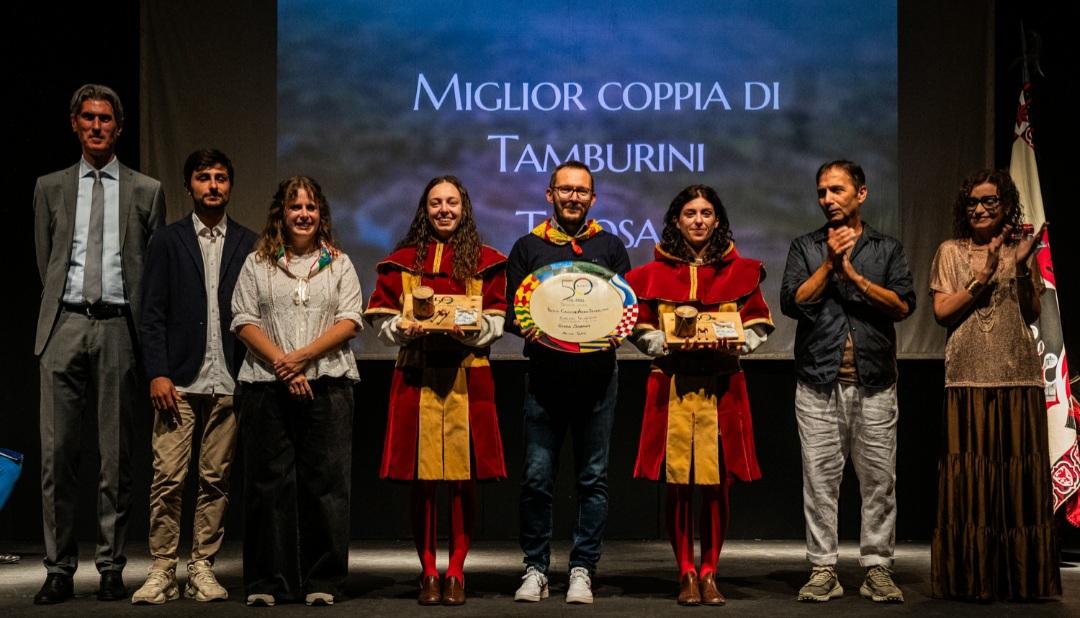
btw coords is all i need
(697, 429)
(442, 424)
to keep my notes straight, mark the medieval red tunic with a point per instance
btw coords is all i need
(696, 404)
(442, 423)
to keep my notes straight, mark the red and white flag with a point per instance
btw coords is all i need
(1063, 415)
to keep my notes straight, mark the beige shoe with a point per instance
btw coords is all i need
(202, 585)
(159, 587)
(823, 585)
(879, 586)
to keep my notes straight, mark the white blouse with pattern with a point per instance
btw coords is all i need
(293, 307)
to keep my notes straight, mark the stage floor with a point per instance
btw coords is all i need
(636, 577)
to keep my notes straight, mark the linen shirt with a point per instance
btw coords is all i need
(213, 377)
(825, 323)
(270, 296)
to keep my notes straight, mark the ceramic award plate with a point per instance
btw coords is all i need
(576, 307)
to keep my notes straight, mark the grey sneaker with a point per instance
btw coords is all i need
(202, 585)
(534, 586)
(823, 585)
(580, 588)
(159, 587)
(879, 587)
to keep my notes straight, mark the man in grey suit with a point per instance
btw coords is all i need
(91, 225)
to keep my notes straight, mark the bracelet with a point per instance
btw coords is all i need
(974, 286)
(867, 286)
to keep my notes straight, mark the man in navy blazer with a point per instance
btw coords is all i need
(91, 224)
(192, 359)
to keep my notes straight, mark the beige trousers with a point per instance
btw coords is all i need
(172, 444)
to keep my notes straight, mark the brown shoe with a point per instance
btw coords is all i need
(453, 591)
(688, 589)
(710, 595)
(429, 591)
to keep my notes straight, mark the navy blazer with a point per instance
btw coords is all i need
(173, 325)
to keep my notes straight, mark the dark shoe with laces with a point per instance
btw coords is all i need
(112, 587)
(56, 589)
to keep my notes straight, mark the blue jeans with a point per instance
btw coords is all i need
(581, 397)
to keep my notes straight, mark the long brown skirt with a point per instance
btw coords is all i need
(995, 536)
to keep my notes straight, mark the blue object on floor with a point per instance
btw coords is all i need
(10, 467)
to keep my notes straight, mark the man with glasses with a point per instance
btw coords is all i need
(565, 392)
(846, 284)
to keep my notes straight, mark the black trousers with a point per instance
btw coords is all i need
(298, 463)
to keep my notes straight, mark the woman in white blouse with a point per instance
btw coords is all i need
(296, 305)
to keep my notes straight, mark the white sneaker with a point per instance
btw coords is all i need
(534, 586)
(319, 598)
(160, 586)
(202, 585)
(260, 600)
(580, 588)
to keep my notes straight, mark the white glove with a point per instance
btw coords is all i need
(651, 342)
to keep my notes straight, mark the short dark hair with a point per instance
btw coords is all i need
(854, 170)
(574, 165)
(97, 92)
(205, 158)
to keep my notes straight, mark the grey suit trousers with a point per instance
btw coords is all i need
(88, 366)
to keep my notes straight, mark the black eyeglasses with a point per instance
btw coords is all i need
(989, 202)
(565, 192)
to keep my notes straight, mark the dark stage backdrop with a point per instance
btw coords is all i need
(190, 82)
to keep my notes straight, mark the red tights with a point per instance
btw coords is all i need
(424, 520)
(680, 524)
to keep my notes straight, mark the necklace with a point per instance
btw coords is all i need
(300, 294)
(984, 315)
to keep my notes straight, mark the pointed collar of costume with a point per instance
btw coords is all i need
(664, 256)
(551, 232)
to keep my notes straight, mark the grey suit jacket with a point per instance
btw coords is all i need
(142, 210)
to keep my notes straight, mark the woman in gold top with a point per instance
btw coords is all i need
(994, 538)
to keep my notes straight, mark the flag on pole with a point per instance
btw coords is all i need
(1063, 415)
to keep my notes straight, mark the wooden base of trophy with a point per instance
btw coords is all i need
(449, 310)
(711, 327)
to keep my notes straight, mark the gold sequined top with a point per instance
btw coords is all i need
(991, 346)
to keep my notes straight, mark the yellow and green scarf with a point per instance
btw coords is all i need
(551, 233)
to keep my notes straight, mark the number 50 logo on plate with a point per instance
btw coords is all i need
(576, 307)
